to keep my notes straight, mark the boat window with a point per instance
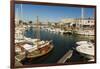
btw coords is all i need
(90, 46)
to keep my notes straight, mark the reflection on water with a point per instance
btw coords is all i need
(62, 44)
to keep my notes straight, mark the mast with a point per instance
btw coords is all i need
(22, 21)
(82, 13)
(21, 12)
(16, 18)
(38, 28)
(82, 18)
(38, 32)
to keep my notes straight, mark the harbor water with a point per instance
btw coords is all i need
(62, 44)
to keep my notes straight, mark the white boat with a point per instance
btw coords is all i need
(19, 34)
(86, 49)
(86, 32)
(84, 42)
(31, 40)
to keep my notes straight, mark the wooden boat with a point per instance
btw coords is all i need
(33, 50)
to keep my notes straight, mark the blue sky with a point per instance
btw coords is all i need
(50, 13)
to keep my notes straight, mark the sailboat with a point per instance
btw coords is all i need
(40, 47)
(32, 48)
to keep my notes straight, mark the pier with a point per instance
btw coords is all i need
(66, 57)
(17, 62)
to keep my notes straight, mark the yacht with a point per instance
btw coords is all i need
(86, 49)
(84, 42)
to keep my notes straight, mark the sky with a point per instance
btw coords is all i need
(49, 13)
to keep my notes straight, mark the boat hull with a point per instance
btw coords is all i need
(42, 53)
(90, 57)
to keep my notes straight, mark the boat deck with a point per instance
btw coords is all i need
(17, 62)
(35, 54)
(19, 57)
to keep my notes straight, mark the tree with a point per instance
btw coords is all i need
(30, 22)
(20, 21)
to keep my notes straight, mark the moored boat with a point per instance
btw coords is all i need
(86, 32)
(34, 49)
(86, 49)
